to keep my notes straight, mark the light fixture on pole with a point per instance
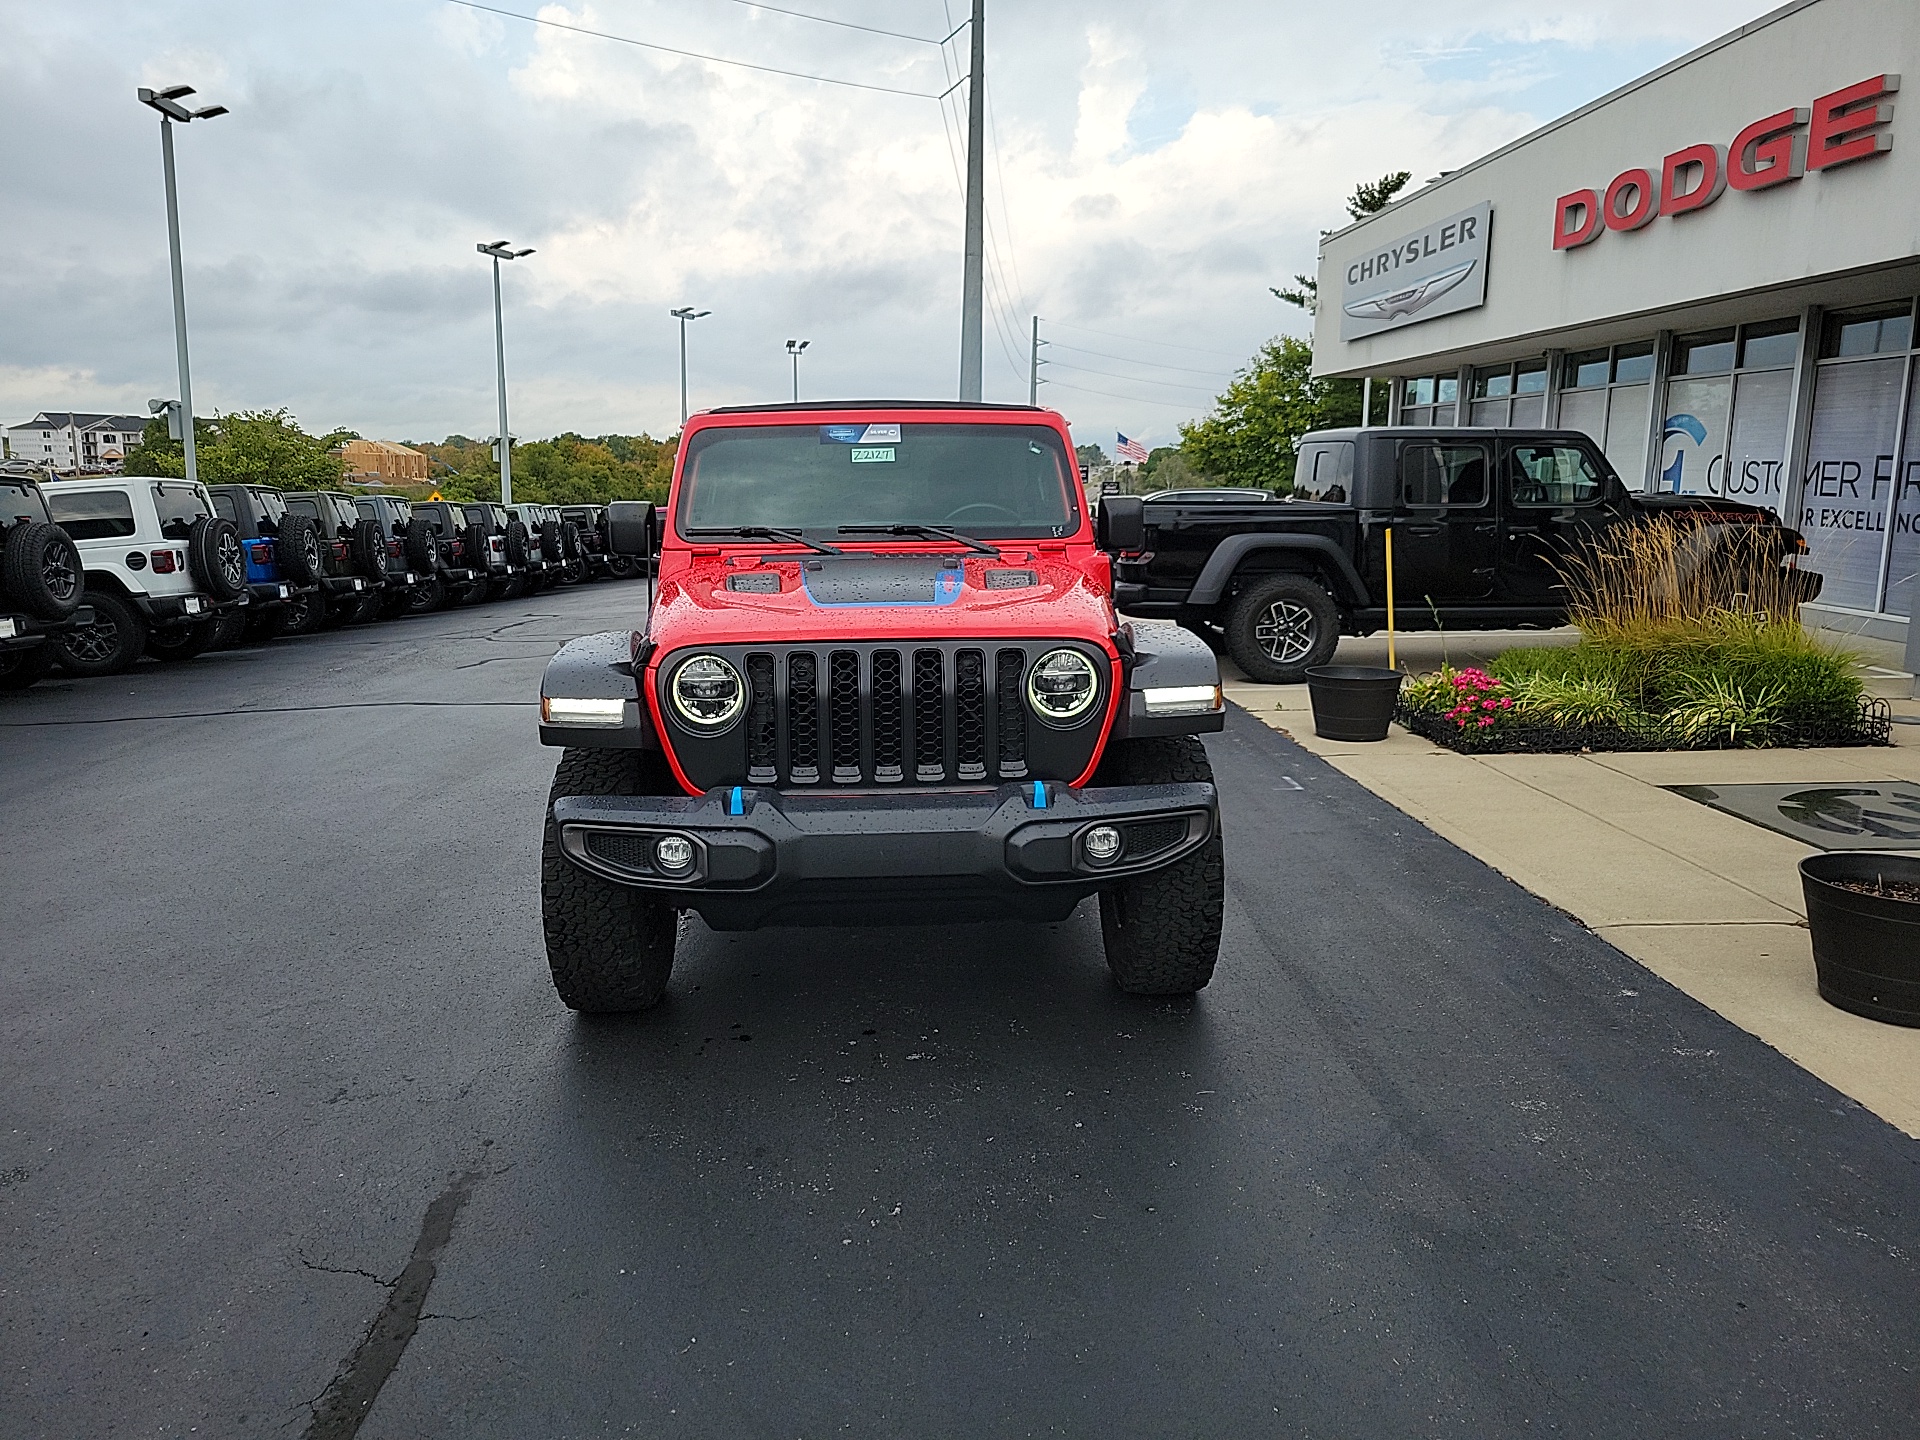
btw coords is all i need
(502, 250)
(684, 314)
(794, 347)
(166, 102)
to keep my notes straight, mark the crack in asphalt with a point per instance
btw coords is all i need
(340, 1411)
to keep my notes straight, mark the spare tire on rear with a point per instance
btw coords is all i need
(215, 557)
(370, 551)
(299, 550)
(40, 570)
(517, 553)
(422, 552)
(479, 552)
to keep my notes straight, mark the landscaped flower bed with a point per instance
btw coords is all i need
(1686, 645)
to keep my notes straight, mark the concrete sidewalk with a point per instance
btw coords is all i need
(1709, 903)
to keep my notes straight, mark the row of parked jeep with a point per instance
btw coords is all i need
(98, 571)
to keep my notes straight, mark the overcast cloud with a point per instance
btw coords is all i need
(1157, 164)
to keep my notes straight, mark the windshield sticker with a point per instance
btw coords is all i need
(872, 454)
(860, 434)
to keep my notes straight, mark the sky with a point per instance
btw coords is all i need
(1153, 167)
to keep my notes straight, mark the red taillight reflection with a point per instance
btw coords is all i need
(162, 562)
(393, 549)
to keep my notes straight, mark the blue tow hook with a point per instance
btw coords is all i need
(1039, 794)
(736, 803)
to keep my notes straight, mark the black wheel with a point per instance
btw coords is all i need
(1280, 626)
(422, 553)
(40, 570)
(1162, 929)
(298, 547)
(610, 946)
(268, 623)
(478, 590)
(370, 552)
(230, 629)
(518, 551)
(183, 642)
(426, 595)
(570, 542)
(621, 567)
(360, 610)
(112, 643)
(511, 588)
(304, 613)
(20, 668)
(215, 557)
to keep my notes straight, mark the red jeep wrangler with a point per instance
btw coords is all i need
(882, 682)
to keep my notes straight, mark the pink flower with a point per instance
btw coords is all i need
(1485, 720)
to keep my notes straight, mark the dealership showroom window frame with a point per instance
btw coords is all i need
(1728, 410)
(1513, 394)
(1858, 493)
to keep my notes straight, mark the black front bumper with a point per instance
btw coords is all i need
(764, 857)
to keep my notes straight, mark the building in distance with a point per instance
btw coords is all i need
(382, 462)
(75, 440)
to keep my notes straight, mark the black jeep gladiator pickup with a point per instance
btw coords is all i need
(1481, 521)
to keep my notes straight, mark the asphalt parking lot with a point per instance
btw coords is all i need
(296, 1136)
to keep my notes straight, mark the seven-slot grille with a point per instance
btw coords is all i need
(882, 715)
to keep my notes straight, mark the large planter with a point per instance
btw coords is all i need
(1352, 702)
(1866, 948)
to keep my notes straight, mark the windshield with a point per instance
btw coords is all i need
(1005, 480)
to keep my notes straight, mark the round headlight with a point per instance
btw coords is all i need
(707, 692)
(1062, 686)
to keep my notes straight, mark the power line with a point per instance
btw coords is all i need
(694, 54)
(1135, 379)
(1133, 339)
(1130, 399)
(843, 24)
(1129, 360)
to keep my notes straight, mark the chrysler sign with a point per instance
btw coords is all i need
(1436, 271)
(1837, 129)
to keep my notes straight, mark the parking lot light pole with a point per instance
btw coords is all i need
(501, 250)
(794, 347)
(167, 103)
(684, 314)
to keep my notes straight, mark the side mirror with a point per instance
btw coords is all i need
(632, 528)
(1122, 524)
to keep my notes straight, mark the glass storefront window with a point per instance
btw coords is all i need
(1903, 573)
(1494, 384)
(1693, 439)
(1420, 392)
(1873, 331)
(1633, 364)
(1757, 451)
(1585, 370)
(1530, 378)
(1849, 476)
(1708, 354)
(1773, 345)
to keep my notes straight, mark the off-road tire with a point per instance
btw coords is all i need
(114, 642)
(423, 554)
(426, 595)
(304, 613)
(478, 590)
(369, 552)
(216, 558)
(232, 627)
(300, 550)
(1162, 929)
(40, 571)
(621, 567)
(20, 668)
(183, 642)
(1278, 627)
(518, 548)
(610, 946)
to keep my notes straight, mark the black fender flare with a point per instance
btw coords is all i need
(1228, 554)
(598, 667)
(1164, 657)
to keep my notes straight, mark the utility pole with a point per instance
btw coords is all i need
(971, 310)
(1033, 366)
(684, 314)
(167, 103)
(500, 250)
(794, 348)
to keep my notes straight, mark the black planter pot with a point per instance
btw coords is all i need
(1352, 702)
(1866, 948)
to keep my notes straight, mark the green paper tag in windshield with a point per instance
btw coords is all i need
(873, 454)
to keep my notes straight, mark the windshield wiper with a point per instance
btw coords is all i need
(769, 532)
(939, 532)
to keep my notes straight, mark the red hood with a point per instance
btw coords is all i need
(1067, 599)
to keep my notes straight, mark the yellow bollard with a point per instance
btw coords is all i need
(1392, 662)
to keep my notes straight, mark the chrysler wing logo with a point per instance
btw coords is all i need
(1413, 299)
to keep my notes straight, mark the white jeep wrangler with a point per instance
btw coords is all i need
(160, 569)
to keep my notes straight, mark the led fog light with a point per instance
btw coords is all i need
(1103, 843)
(673, 854)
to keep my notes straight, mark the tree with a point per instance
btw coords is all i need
(1307, 296)
(1090, 455)
(254, 447)
(1249, 437)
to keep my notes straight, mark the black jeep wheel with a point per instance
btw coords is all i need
(216, 559)
(20, 668)
(1162, 929)
(40, 570)
(1280, 626)
(304, 613)
(299, 550)
(426, 595)
(183, 642)
(231, 628)
(116, 639)
(610, 946)
(621, 567)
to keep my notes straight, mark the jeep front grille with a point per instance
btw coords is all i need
(882, 716)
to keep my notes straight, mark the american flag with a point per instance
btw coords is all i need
(1131, 451)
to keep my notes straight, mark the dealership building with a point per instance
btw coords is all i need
(1712, 271)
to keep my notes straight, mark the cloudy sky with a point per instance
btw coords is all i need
(1154, 166)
